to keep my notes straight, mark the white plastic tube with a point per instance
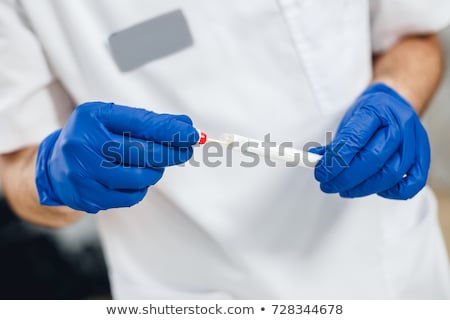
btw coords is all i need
(291, 155)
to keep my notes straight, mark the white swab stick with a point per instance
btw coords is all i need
(291, 155)
(224, 142)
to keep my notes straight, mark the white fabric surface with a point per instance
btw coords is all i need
(288, 67)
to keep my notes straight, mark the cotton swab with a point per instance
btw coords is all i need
(243, 144)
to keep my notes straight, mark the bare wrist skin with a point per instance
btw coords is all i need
(413, 67)
(17, 173)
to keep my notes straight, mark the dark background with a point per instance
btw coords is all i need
(33, 264)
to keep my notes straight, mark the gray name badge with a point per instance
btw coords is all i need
(150, 40)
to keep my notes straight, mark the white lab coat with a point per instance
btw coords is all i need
(289, 68)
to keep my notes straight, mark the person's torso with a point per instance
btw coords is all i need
(289, 68)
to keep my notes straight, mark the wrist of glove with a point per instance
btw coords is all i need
(107, 156)
(380, 147)
(46, 194)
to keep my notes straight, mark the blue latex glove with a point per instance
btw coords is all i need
(90, 165)
(380, 147)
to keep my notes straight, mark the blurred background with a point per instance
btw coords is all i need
(37, 263)
(437, 123)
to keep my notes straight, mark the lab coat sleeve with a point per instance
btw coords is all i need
(393, 19)
(30, 96)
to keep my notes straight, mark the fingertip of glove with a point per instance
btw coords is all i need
(184, 118)
(328, 188)
(318, 150)
(319, 172)
(186, 135)
(346, 195)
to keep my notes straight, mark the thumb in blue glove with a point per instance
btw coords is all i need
(72, 168)
(380, 148)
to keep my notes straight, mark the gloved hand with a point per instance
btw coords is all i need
(380, 147)
(107, 156)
